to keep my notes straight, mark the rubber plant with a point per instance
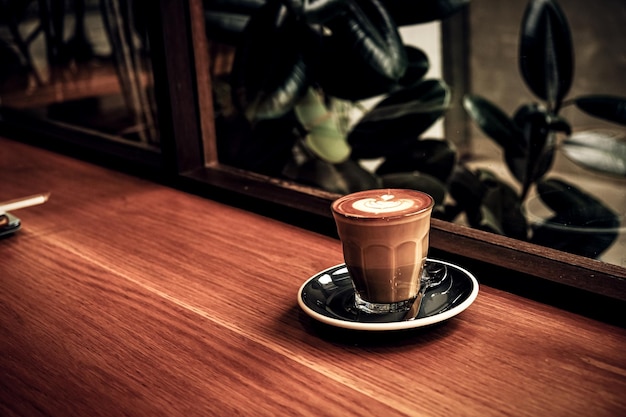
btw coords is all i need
(300, 65)
(301, 70)
(531, 137)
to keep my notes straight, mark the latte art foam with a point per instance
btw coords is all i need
(387, 203)
(383, 203)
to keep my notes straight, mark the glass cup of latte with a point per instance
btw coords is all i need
(385, 237)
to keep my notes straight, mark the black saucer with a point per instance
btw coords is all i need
(328, 296)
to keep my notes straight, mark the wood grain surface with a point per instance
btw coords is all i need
(124, 297)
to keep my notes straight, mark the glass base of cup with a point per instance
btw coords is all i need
(382, 308)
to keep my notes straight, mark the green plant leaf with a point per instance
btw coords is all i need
(559, 124)
(468, 191)
(269, 73)
(400, 117)
(584, 244)
(410, 12)
(263, 147)
(429, 156)
(611, 108)
(599, 150)
(560, 196)
(576, 207)
(418, 66)
(343, 178)
(225, 20)
(488, 221)
(494, 123)
(356, 177)
(318, 12)
(574, 210)
(504, 206)
(323, 136)
(535, 124)
(416, 181)
(361, 55)
(537, 143)
(546, 56)
(489, 204)
(225, 27)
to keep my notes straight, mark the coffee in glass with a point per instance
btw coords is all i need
(385, 237)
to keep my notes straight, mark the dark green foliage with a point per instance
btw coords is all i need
(546, 53)
(342, 178)
(418, 66)
(581, 223)
(267, 148)
(495, 124)
(417, 181)
(269, 74)
(351, 50)
(529, 141)
(605, 107)
(598, 150)
(429, 156)
(409, 12)
(403, 116)
(363, 55)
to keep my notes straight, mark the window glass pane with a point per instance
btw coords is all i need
(302, 95)
(81, 63)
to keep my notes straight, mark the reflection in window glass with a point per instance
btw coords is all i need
(82, 63)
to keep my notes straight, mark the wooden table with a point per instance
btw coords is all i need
(120, 296)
